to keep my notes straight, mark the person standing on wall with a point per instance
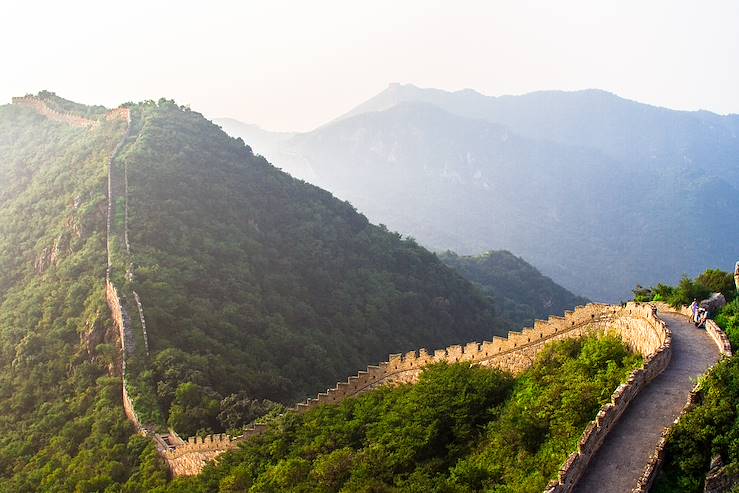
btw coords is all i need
(736, 276)
(694, 309)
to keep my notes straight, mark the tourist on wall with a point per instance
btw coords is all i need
(694, 306)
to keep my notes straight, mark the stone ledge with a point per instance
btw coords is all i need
(657, 457)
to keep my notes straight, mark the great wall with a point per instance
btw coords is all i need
(638, 325)
(43, 108)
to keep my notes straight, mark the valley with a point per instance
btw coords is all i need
(564, 179)
(169, 365)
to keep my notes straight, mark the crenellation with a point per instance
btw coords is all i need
(409, 361)
(471, 351)
(41, 107)
(454, 354)
(539, 325)
(376, 371)
(636, 324)
(486, 349)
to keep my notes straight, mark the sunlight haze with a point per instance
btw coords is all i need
(297, 65)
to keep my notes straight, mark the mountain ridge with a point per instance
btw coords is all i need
(256, 286)
(608, 173)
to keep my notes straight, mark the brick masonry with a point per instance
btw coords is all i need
(635, 323)
(655, 460)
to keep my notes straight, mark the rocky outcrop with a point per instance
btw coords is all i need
(713, 303)
(721, 478)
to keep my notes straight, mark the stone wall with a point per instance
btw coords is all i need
(123, 114)
(721, 478)
(117, 310)
(140, 309)
(719, 338)
(189, 458)
(123, 324)
(656, 360)
(657, 457)
(44, 109)
(635, 324)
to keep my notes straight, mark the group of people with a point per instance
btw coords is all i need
(699, 314)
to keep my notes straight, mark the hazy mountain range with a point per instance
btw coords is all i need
(597, 191)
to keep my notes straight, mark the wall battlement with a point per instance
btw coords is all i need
(657, 457)
(73, 119)
(123, 114)
(44, 109)
(635, 323)
(118, 312)
(189, 458)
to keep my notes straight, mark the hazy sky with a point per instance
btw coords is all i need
(295, 65)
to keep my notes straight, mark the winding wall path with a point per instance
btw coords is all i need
(617, 466)
(611, 456)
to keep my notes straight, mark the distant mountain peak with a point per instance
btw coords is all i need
(467, 171)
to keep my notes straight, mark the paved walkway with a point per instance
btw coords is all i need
(618, 464)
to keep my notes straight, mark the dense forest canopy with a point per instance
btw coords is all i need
(459, 429)
(255, 283)
(711, 429)
(61, 414)
(256, 287)
(521, 293)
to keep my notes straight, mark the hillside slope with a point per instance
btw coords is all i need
(61, 413)
(459, 428)
(254, 281)
(638, 133)
(255, 286)
(521, 293)
(548, 185)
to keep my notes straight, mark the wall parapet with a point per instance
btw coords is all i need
(635, 323)
(656, 361)
(719, 336)
(658, 456)
(514, 353)
(118, 311)
(125, 335)
(189, 458)
(44, 109)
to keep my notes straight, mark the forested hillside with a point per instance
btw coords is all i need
(459, 429)
(596, 191)
(260, 285)
(521, 293)
(710, 431)
(256, 287)
(61, 415)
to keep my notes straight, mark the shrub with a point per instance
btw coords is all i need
(461, 428)
(718, 281)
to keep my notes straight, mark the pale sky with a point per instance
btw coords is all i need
(295, 65)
